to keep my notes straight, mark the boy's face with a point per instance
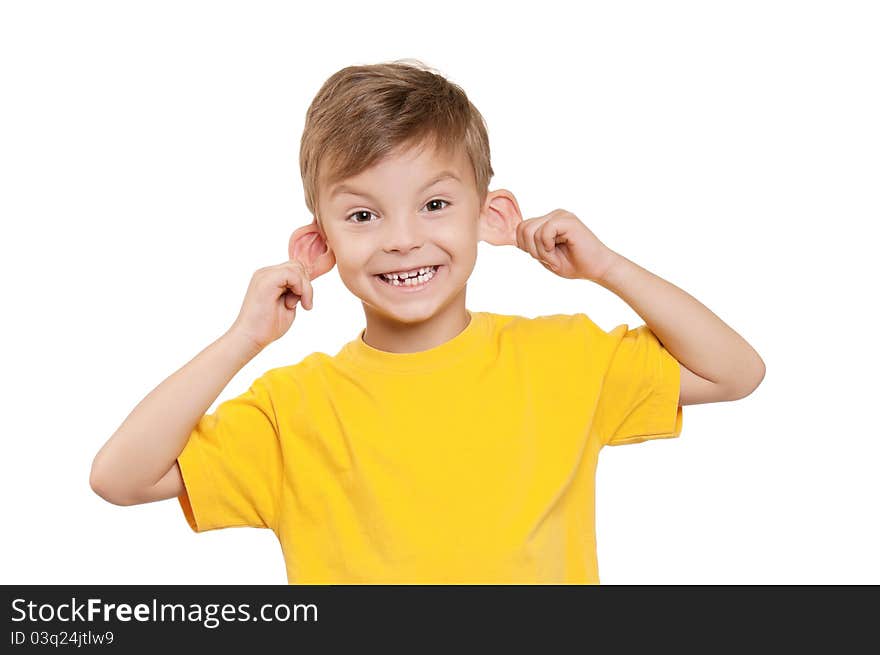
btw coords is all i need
(398, 216)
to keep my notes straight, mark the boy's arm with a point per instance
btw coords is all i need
(717, 364)
(138, 464)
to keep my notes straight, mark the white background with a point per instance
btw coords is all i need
(149, 165)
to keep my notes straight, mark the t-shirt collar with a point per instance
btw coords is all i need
(447, 354)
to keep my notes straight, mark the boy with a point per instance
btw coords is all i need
(441, 445)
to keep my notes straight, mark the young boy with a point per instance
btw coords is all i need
(441, 445)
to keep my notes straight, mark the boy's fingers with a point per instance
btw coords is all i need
(519, 232)
(305, 285)
(305, 295)
(295, 282)
(301, 265)
(526, 236)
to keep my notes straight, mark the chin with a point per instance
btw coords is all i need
(411, 314)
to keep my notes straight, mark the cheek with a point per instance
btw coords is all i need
(456, 234)
(350, 255)
(355, 268)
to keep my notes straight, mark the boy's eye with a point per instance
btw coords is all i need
(360, 213)
(363, 212)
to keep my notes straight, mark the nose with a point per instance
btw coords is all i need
(403, 233)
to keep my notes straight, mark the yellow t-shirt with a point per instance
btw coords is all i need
(469, 463)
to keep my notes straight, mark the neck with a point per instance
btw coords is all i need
(397, 335)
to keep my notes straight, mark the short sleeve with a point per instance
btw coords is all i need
(232, 465)
(638, 399)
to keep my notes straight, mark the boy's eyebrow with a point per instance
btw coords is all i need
(342, 188)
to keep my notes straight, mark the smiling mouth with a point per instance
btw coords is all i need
(419, 280)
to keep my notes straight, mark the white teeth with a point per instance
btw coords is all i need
(424, 275)
(403, 275)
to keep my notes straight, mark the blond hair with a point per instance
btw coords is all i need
(364, 113)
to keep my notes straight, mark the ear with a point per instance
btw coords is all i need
(499, 217)
(308, 245)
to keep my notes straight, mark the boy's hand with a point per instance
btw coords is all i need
(565, 246)
(269, 305)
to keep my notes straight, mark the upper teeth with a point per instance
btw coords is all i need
(405, 274)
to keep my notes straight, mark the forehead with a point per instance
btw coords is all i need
(414, 168)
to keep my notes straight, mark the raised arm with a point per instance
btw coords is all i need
(138, 464)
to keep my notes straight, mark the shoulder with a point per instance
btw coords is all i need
(567, 338)
(293, 379)
(546, 323)
(562, 329)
